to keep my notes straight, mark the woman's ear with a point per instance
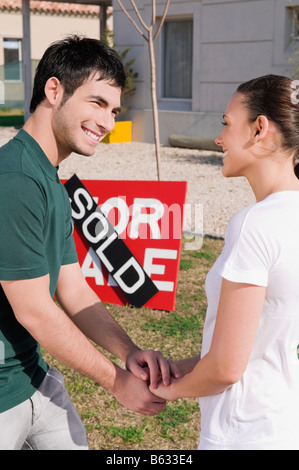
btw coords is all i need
(261, 127)
(53, 90)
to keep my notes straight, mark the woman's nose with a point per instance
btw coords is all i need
(218, 140)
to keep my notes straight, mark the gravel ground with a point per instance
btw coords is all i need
(220, 197)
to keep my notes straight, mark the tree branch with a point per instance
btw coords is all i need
(139, 16)
(132, 20)
(154, 13)
(163, 19)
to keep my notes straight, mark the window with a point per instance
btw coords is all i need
(295, 32)
(177, 59)
(12, 59)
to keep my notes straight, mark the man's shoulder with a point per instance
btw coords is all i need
(17, 162)
(11, 156)
(17, 175)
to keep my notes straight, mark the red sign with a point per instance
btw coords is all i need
(148, 216)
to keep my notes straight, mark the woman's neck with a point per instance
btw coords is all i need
(271, 176)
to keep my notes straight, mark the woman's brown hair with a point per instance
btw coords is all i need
(273, 96)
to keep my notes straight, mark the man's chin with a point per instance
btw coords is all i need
(85, 152)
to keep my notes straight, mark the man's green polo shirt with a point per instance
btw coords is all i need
(35, 240)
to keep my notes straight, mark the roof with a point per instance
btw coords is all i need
(55, 7)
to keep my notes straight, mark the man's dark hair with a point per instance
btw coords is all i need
(72, 61)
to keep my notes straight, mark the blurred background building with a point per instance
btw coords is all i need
(205, 49)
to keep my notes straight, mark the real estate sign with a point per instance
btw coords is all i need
(128, 236)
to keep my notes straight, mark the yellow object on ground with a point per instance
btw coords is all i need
(120, 134)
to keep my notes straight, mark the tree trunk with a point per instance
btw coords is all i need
(154, 102)
(150, 38)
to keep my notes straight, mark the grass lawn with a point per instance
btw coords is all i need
(177, 334)
(11, 117)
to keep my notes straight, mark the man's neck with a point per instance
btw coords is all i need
(39, 127)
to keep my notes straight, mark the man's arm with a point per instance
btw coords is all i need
(90, 315)
(50, 326)
(86, 310)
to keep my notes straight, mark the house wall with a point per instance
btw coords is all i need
(44, 30)
(233, 41)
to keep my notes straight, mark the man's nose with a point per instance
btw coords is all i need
(106, 121)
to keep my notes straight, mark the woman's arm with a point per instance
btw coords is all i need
(187, 365)
(238, 317)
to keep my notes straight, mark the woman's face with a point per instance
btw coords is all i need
(236, 138)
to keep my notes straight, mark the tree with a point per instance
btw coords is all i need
(148, 33)
(108, 38)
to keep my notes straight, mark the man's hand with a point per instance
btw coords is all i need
(170, 392)
(151, 366)
(135, 395)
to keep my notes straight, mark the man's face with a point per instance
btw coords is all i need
(86, 117)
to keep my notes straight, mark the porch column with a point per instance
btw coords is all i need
(103, 19)
(26, 56)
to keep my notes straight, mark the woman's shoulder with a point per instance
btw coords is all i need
(266, 218)
(257, 218)
(237, 220)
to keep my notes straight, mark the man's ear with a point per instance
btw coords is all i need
(261, 127)
(53, 90)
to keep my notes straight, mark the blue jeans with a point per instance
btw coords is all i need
(47, 421)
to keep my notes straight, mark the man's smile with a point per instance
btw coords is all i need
(93, 135)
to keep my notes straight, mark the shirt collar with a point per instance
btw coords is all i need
(38, 154)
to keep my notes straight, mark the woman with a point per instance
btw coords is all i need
(248, 376)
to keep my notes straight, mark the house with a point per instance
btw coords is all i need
(50, 21)
(205, 50)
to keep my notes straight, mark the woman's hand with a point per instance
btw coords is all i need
(166, 392)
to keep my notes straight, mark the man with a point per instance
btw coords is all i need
(76, 97)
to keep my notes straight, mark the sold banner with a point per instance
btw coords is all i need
(128, 238)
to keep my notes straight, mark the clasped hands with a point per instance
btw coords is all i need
(145, 387)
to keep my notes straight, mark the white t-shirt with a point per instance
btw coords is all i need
(261, 411)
